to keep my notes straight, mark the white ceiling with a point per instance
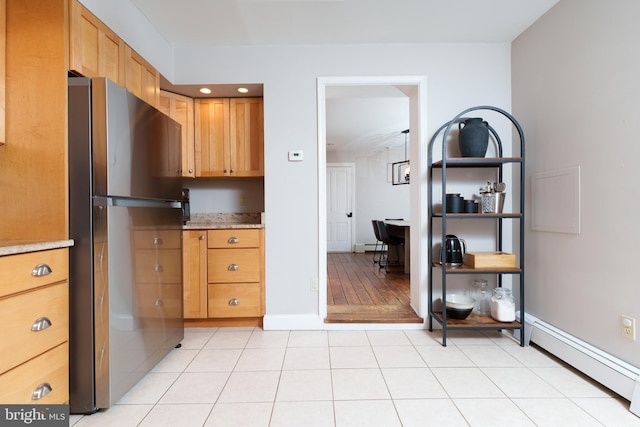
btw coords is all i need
(211, 23)
(206, 23)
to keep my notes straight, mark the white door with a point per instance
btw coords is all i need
(340, 207)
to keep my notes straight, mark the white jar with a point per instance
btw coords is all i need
(503, 305)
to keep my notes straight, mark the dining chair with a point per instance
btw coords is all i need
(390, 241)
(377, 252)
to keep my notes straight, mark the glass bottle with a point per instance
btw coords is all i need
(482, 294)
(503, 305)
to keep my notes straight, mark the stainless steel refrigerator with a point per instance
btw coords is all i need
(125, 218)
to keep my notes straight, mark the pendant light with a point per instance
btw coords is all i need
(402, 170)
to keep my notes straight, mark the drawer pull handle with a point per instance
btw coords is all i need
(41, 324)
(158, 269)
(233, 267)
(233, 240)
(42, 390)
(157, 241)
(41, 270)
(234, 301)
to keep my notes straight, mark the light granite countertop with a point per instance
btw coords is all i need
(12, 247)
(212, 221)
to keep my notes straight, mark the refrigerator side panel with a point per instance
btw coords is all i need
(81, 372)
(101, 304)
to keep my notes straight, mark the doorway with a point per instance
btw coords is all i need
(415, 89)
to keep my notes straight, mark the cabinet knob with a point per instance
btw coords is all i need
(158, 303)
(41, 391)
(234, 301)
(232, 240)
(157, 241)
(233, 170)
(233, 267)
(40, 324)
(41, 270)
(201, 237)
(190, 170)
(158, 269)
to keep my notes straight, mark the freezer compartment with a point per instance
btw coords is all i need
(135, 150)
(138, 294)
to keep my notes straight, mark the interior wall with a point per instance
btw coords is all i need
(375, 196)
(459, 76)
(575, 93)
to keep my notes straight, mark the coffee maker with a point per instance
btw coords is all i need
(186, 208)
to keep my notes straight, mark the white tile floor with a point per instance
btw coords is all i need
(249, 377)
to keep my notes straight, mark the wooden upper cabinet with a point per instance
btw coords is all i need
(247, 136)
(95, 50)
(229, 137)
(180, 108)
(141, 78)
(212, 154)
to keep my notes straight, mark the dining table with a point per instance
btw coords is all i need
(401, 228)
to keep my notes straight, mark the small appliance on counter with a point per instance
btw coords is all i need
(186, 208)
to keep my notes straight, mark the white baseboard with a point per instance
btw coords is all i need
(613, 373)
(311, 322)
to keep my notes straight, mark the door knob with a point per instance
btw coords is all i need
(350, 214)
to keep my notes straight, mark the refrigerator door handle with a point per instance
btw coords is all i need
(129, 202)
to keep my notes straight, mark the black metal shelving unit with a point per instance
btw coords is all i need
(474, 322)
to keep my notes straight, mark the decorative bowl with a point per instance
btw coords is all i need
(459, 306)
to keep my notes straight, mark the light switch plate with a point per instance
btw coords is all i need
(296, 156)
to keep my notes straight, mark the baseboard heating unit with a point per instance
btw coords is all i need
(613, 373)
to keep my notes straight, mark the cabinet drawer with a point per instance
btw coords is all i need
(20, 272)
(233, 265)
(234, 238)
(52, 368)
(157, 239)
(158, 266)
(234, 300)
(20, 314)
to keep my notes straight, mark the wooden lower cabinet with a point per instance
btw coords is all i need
(34, 326)
(224, 284)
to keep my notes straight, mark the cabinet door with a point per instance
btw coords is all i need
(246, 137)
(3, 58)
(95, 50)
(194, 271)
(212, 155)
(141, 78)
(180, 109)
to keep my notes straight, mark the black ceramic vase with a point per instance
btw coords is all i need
(473, 137)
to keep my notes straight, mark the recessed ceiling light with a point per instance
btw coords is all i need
(243, 90)
(205, 90)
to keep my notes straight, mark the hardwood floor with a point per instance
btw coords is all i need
(360, 292)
